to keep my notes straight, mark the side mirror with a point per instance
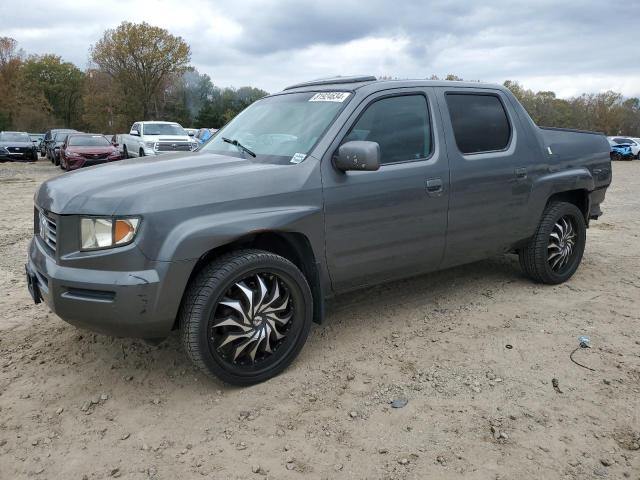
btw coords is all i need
(115, 144)
(135, 133)
(358, 155)
(191, 134)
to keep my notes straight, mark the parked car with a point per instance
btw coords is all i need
(634, 147)
(637, 142)
(45, 148)
(15, 146)
(55, 145)
(85, 149)
(323, 188)
(116, 141)
(154, 138)
(37, 139)
(621, 152)
(205, 134)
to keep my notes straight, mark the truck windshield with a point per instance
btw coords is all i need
(280, 129)
(163, 129)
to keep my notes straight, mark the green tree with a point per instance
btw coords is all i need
(20, 107)
(60, 82)
(141, 57)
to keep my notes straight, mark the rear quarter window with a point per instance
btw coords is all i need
(479, 122)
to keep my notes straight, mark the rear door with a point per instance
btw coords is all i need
(389, 223)
(491, 166)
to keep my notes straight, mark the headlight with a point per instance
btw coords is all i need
(150, 144)
(97, 233)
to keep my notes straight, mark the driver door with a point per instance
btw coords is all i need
(389, 223)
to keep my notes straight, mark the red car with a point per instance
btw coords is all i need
(85, 149)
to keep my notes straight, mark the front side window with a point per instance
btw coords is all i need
(400, 125)
(281, 129)
(479, 122)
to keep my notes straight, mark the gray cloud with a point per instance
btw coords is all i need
(570, 46)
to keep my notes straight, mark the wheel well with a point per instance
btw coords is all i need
(580, 198)
(295, 247)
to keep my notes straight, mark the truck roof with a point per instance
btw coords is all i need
(370, 82)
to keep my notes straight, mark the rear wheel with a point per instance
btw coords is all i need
(125, 153)
(554, 253)
(246, 316)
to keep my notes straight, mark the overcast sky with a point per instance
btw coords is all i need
(568, 46)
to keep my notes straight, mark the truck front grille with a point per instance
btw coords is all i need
(47, 229)
(174, 146)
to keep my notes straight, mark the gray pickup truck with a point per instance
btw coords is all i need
(326, 187)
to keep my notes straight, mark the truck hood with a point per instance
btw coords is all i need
(137, 186)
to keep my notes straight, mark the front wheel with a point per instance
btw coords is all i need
(246, 316)
(554, 252)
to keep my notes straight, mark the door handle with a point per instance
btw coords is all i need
(434, 186)
(521, 172)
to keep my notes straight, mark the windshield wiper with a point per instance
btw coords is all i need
(239, 145)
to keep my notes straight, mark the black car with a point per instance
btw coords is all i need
(54, 145)
(37, 139)
(45, 146)
(16, 146)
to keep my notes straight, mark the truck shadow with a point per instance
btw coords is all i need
(372, 305)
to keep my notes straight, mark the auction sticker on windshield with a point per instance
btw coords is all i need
(330, 97)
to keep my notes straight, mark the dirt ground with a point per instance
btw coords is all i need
(75, 405)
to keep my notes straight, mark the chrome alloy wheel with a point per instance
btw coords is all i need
(562, 241)
(252, 319)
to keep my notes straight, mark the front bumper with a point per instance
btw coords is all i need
(79, 162)
(16, 157)
(142, 304)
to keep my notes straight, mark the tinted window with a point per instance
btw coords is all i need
(622, 140)
(400, 125)
(479, 122)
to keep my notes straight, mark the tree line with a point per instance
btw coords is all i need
(138, 71)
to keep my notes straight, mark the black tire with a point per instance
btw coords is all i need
(56, 160)
(141, 153)
(534, 257)
(201, 302)
(125, 153)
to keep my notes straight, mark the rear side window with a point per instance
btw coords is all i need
(400, 125)
(479, 122)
